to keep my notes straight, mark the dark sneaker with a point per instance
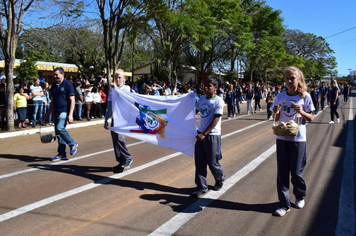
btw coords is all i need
(58, 157)
(127, 164)
(118, 169)
(218, 186)
(64, 158)
(198, 193)
(73, 149)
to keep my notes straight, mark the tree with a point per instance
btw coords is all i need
(170, 25)
(267, 49)
(83, 46)
(137, 52)
(220, 35)
(315, 51)
(40, 45)
(27, 70)
(117, 18)
(12, 13)
(12, 22)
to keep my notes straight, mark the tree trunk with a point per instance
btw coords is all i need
(266, 78)
(171, 76)
(232, 66)
(9, 68)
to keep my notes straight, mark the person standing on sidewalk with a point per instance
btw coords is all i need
(122, 155)
(293, 104)
(78, 100)
(62, 105)
(208, 145)
(20, 105)
(3, 107)
(37, 93)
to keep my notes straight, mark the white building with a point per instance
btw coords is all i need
(353, 76)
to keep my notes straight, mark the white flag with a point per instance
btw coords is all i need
(167, 121)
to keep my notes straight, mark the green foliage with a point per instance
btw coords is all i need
(137, 53)
(207, 34)
(40, 45)
(159, 70)
(84, 47)
(43, 55)
(27, 70)
(315, 51)
(266, 50)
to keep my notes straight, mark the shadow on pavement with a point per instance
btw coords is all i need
(24, 158)
(89, 172)
(179, 203)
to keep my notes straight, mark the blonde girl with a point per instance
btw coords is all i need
(293, 104)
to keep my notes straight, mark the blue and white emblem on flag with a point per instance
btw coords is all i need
(167, 121)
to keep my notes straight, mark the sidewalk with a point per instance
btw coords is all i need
(47, 129)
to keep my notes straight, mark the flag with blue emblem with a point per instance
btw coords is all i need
(167, 121)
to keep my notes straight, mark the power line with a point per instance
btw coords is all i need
(341, 32)
(343, 42)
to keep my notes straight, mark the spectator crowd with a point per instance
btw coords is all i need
(31, 100)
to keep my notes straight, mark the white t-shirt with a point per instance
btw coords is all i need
(88, 97)
(125, 88)
(287, 113)
(208, 108)
(96, 97)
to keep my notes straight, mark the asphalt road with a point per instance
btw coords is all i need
(83, 197)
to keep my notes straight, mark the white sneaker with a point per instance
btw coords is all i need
(331, 122)
(299, 203)
(281, 211)
(229, 118)
(338, 120)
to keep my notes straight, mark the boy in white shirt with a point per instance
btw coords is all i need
(122, 155)
(208, 145)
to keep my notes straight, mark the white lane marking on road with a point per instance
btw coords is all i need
(346, 220)
(243, 129)
(61, 162)
(72, 192)
(175, 223)
(75, 191)
(101, 152)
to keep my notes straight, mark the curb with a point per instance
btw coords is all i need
(46, 129)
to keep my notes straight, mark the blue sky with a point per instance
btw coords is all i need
(324, 18)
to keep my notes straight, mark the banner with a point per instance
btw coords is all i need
(167, 121)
